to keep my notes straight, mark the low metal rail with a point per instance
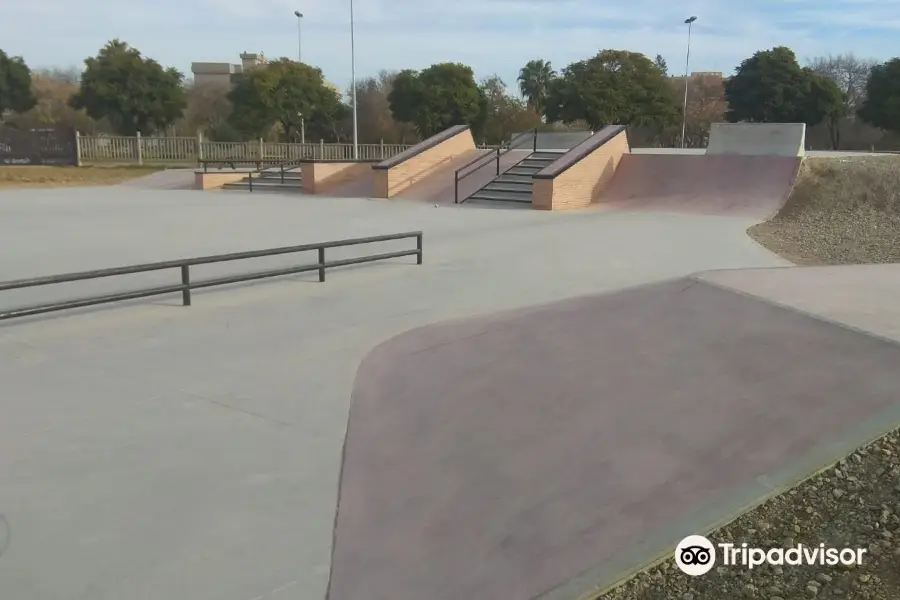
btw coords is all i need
(184, 265)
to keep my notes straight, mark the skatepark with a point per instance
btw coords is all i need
(546, 404)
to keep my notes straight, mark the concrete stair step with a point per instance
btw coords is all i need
(503, 186)
(524, 170)
(517, 180)
(501, 196)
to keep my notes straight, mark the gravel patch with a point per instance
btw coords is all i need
(841, 211)
(855, 503)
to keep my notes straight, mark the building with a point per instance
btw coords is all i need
(220, 73)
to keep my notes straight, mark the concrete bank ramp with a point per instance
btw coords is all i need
(750, 186)
(538, 453)
(757, 139)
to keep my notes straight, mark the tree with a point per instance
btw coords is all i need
(850, 74)
(661, 64)
(826, 103)
(443, 95)
(286, 93)
(534, 83)
(207, 112)
(705, 105)
(771, 87)
(504, 115)
(136, 94)
(881, 107)
(52, 91)
(613, 87)
(15, 85)
(375, 121)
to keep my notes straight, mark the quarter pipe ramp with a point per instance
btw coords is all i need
(757, 139)
(749, 186)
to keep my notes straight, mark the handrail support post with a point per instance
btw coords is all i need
(419, 248)
(186, 282)
(321, 264)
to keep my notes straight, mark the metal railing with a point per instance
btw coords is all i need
(184, 265)
(172, 150)
(478, 162)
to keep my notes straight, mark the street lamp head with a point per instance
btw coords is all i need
(690, 20)
(299, 14)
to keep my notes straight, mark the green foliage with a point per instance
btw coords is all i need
(615, 87)
(534, 83)
(443, 95)
(661, 64)
(15, 85)
(771, 87)
(406, 96)
(881, 107)
(283, 92)
(134, 93)
(503, 114)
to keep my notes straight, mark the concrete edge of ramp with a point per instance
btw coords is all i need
(637, 556)
(757, 139)
(164, 179)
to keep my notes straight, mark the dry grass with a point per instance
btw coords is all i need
(34, 177)
(841, 211)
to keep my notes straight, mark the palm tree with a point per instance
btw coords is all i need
(534, 80)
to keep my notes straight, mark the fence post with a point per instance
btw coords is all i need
(321, 264)
(382, 148)
(140, 150)
(261, 149)
(186, 282)
(419, 248)
(77, 148)
(321, 149)
(199, 146)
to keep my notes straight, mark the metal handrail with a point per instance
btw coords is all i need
(185, 264)
(496, 154)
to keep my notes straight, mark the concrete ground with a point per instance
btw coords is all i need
(587, 436)
(153, 451)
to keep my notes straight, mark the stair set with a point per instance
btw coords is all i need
(514, 185)
(269, 180)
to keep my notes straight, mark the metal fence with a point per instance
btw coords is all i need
(141, 150)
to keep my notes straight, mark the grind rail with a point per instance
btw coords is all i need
(184, 265)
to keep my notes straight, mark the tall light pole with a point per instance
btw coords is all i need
(687, 65)
(299, 16)
(353, 85)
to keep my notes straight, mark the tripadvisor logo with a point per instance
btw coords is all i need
(695, 555)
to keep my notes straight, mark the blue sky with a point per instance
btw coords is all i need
(493, 36)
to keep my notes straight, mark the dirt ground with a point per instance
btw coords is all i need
(841, 211)
(33, 177)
